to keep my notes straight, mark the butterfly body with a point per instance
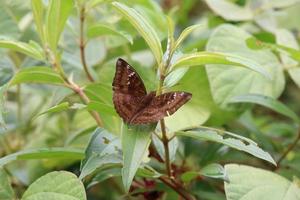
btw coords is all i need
(132, 102)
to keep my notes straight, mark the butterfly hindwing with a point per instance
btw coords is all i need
(128, 89)
(161, 106)
(132, 102)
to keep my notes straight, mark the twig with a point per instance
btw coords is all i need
(286, 152)
(177, 188)
(82, 44)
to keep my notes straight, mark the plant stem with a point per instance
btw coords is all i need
(177, 188)
(82, 44)
(57, 66)
(286, 152)
(165, 141)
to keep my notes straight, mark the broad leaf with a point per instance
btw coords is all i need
(232, 140)
(31, 49)
(135, 143)
(6, 191)
(143, 27)
(37, 75)
(56, 185)
(57, 15)
(267, 102)
(230, 11)
(43, 153)
(291, 61)
(103, 149)
(203, 58)
(227, 82)
(247, 183)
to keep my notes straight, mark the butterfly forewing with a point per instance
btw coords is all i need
(161, 106)
(128, 89)
(132, 102)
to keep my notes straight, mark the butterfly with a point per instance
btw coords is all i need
(132, 102)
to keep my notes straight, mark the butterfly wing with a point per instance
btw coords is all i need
(128, 90)
(161, 106)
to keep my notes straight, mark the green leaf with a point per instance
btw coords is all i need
(135, 143)
(3, 90)
(203, 58)
(232, 140)
(230, 11)
(38, 14)
(291, 62)
(247, 183)
(31, 49)
(37, 75)
(57, 15)
(186, 32)
(212, 170)
(56, 185)
(230, 81)
(101, 108)
(267, 102)
(143, 27)
(103, 149)
(6, 191)
(57, 108)
(43, 153)
(105, 30)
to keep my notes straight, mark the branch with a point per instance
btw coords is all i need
(286, 152)
(82, 44)
(177, 188)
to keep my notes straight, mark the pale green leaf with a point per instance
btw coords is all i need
(31, 49)
(58, 185)
(57, 15)
(6, 191)
(38, 14)
(230, 11)
(143, 27)
(3, 90)
(203, 58)
(159, 146)
(247, 183)
(290, 61)
(57, 108)
(105, 30)
(37, 75)
(135, 143)
(267, 102)
(230, 81)
(232, 140)
(43, 153)
(186, 32)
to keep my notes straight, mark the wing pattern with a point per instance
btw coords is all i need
(132, 102)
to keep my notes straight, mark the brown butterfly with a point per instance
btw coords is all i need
(132, 102)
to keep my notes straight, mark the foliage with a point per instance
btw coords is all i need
(238, 137)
